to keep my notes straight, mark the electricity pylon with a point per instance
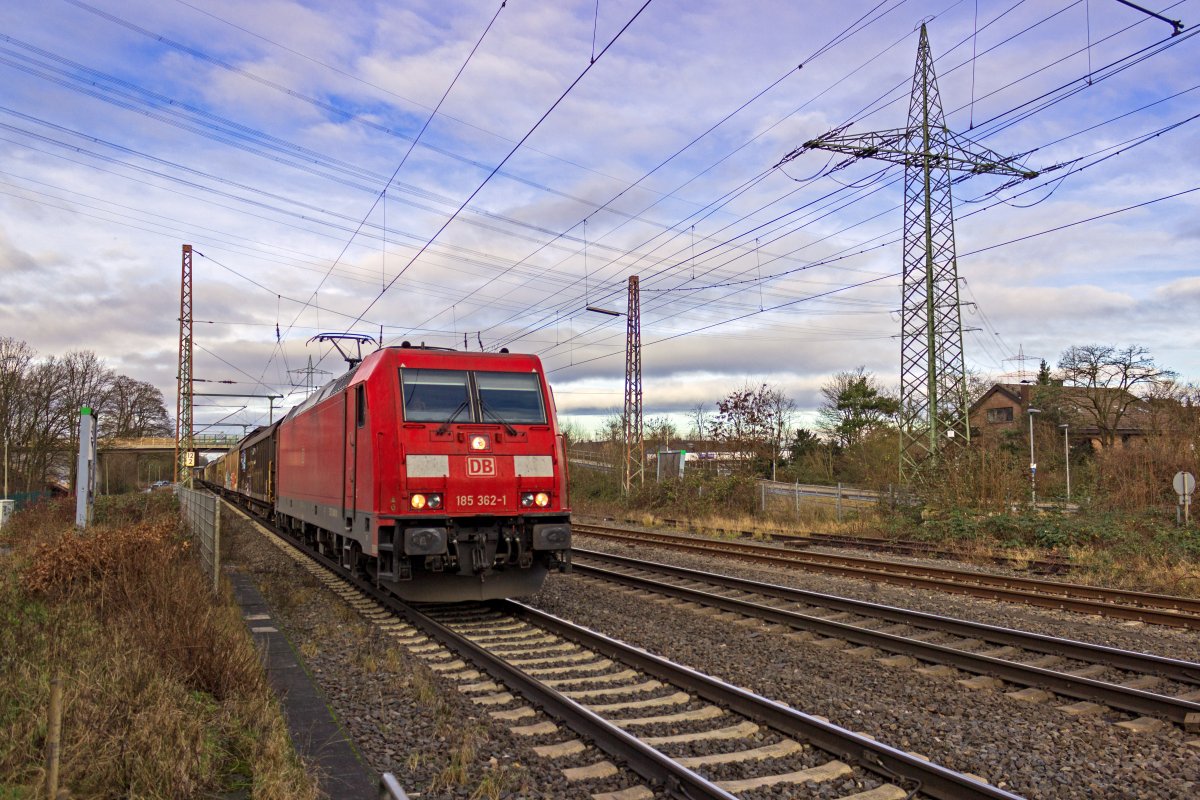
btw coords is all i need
(933, 388)
(635, 448)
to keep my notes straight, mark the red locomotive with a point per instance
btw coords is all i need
(440, 474)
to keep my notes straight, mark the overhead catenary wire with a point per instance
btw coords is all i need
(506, 158)
(665, 287)
(841, 37)
(1141, 139)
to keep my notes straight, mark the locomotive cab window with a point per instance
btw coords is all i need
(435, 395)
(510, 397)
(450, 396)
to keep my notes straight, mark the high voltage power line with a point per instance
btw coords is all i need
(732, 248)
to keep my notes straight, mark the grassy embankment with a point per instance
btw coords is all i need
(163, 694)
(1134, 549)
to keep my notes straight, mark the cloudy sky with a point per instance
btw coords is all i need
(576, 144)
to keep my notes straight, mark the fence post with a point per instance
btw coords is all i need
(54, 736)
(839, 502)
(763, 487)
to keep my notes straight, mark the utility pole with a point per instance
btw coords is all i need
(635, 448)
(184, 454)
(310, 371)
(1021, 358)
(933, 389)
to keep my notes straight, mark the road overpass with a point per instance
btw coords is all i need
(205, 442)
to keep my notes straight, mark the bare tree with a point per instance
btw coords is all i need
(15, 358)
(42, 427)
(134, 408)
(1111, 380)
(756, 420)
(701, 425)
(659, 433)
(40, 401)
(85, 381)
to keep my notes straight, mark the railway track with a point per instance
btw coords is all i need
(1181, 612)
(629, 725)
(1138, 683)
(1045, 565)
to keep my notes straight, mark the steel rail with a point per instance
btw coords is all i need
(1182, 712)
(1171, 668)
(892, 764)
(646, 761)
(888, 762)
(921, 549)
(1179, 612)
(914, 547)
(643, 759)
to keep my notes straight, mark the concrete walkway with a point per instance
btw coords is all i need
(314, 730)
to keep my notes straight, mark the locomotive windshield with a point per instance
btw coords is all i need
(433, 395)
(443, 395)
(511, 397)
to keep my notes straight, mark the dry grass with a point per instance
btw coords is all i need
(1142, 572)
(735, 525)
(163, 692)
(501, 781)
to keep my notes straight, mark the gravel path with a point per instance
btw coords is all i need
(1034, 750)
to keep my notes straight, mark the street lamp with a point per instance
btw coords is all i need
(1067, 457)
(1032, 460)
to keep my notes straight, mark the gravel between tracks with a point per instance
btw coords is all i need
(401, 717)
(1033, 750)
(406, 720)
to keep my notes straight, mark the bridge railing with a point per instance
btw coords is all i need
(203, 441)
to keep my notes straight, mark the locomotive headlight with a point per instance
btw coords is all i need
(478, 442)
(417, 501)
(434, 501)
(539, 499)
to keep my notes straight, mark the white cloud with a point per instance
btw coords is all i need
(98, 263)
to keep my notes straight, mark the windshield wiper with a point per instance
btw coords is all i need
(509, 429)
(445, 426)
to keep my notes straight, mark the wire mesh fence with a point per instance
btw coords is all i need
(201, 512)
(840, 501)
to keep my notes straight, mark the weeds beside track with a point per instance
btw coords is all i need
(163, 692)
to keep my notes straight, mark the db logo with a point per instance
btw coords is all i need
(478, 467)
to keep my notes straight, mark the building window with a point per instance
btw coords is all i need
(995, 415)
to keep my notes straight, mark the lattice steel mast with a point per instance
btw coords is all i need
(183, 403)
(635, 448)
(933, 392)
